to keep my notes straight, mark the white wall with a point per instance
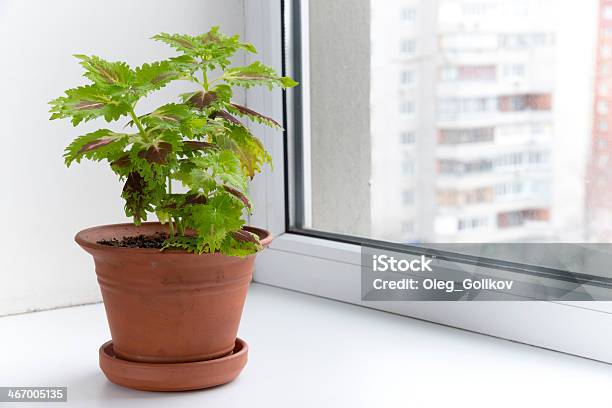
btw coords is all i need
(43, 204)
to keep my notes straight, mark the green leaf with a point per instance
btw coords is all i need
(162, 216)
(195, 177)
(256, 74)
(154, 76)
(115, 89)
(226, 116)
(237, 244)
(98, 145)
(227, 168)
(186, 64)
(239, 195)
(214, 49)
(211, 101)
(253, 115)
(157, 153)
(201, 100)
(187, 243)
(248, 148)
(197, 145)
(134, 195)
(214, 220)
(244, 236)
(170, 117)
(88, 102)
(224, 92)
(105, 72)
(181, 42)
(144, 189)
(219, 167)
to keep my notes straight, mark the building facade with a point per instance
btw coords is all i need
(462, 125)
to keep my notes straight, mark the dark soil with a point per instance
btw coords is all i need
(140, 241)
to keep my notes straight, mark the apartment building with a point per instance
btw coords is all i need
(599, 192)
(462, 124)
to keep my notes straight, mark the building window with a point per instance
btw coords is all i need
(508, 189)
(408, 197)
(407, 227)
(407, 77)
(407, 138)
(517, 218)
(456, 167)
(458, 136)
(518, 103)
(602, 107)
(602, 161)
(454, 106)
(606, 13)
(468, 73)
(408, 46)
(447, 198)
(602, 89)
(525, 40)
(509, 160)
(471, 223)
(478, 166)
(603, 125)
(408, 167)
(448, 73)
(407, 107)
(537, 157)
(408, 15)
(513, 71)
(477, 196)
(602, 143)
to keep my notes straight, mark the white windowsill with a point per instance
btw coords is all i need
(312, 352)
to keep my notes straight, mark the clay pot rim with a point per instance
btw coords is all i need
(265, 238)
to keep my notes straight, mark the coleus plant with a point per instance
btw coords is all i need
(197, 141)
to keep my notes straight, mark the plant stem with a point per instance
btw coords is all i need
(204, 79)
(138, 124)
(179, 226)
(170, 220)
(171, 228)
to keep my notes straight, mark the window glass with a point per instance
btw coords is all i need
(407, 138)
(408, 46)
(511, 109)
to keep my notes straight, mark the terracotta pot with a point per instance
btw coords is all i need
(168, 306)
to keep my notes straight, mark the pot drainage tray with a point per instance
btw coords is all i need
(173, 376)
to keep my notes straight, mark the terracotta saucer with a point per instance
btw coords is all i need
(173, 376)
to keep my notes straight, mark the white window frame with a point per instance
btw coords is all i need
(331, 268)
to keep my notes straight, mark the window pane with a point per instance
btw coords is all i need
(460, 120)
